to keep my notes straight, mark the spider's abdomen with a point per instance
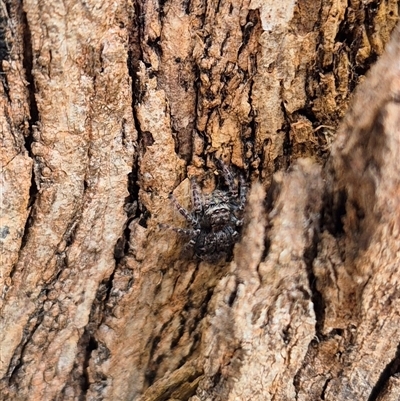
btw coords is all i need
(212, 245)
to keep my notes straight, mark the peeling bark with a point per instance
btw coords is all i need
(107, 109)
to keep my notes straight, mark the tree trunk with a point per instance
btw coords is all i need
(108, 108)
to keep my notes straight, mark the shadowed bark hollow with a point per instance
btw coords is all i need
(108, 108)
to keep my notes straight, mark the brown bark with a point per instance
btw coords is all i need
(107, 108)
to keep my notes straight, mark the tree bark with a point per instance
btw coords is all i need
(108, 108)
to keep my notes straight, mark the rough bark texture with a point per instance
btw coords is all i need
(107, 108)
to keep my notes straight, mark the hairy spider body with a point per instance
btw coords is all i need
(215, 218)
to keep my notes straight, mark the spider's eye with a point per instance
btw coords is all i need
(209, 205)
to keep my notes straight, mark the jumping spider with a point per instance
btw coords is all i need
(215, 218)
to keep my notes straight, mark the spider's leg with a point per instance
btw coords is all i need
(195, 234)
(196, 197)
(182, 231)
(242, 193)
(231, 235)
(228, 177)
(236, 221)
(187, 215)
(235, 235)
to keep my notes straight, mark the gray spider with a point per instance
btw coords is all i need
(215, 218)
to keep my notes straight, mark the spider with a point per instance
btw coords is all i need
(215, 218)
